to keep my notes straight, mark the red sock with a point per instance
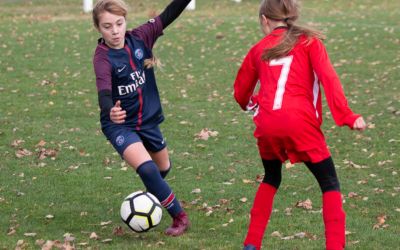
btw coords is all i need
(259, 214)
(334, 219)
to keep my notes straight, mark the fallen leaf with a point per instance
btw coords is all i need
(20, 245)
(196, 191)
(289, 165)
(44, 153)
(160, 243)
(22, 153)
(11, 231)
(352, 195)
(93, 236)
(276, 234)
(307, 204)
(17, 143)
(246, 181)
(30, 234)
(288, 211)
(105, 223)
(381, 219)
(118, 231)
(41, 143)
(205, 133)
(40, 242)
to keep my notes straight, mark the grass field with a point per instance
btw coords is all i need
(61, 182)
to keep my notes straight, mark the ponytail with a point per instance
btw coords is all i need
(289, 40)
(288, 12)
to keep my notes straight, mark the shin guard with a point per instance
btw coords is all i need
(334, 220)
(260, 214)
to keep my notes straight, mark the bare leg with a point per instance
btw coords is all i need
(161, 158)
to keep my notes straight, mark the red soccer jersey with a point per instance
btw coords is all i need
(289, 116)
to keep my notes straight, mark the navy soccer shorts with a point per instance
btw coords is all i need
(121, 137)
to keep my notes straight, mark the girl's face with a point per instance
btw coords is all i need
(112, 28)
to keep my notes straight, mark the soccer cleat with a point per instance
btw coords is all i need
(179, 225)
(249, 247)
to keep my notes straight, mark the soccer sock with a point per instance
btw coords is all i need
(334, 220)
(260, 214)
(156, 185)
(164, 173)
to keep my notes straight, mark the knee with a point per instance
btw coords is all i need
(273, 172)
(330, 183)
(147, 169)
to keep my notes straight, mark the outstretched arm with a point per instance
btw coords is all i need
(172, 11)
(150, 31)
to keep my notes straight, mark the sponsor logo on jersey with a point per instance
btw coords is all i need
(120, 140)
(138, 77)
(139, 54)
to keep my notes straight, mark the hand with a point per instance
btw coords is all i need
(359, 124)
(117, 114)
(253, 103)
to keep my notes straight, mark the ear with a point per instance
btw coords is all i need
(264, 20)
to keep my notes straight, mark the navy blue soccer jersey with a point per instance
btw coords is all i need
(122, 72)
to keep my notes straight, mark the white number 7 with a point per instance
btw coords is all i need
(280, 90)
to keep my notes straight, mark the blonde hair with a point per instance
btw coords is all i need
(288, 12)
(116, 7)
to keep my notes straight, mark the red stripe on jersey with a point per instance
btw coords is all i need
(165, 203)
(140, 114)
(139, 90)
(130, 57)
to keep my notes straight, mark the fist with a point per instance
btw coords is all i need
(253, 103)
(359, 124)
(117, 114)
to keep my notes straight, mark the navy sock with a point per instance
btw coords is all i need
(156, 185)
(164, 173)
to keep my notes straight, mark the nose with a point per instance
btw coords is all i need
(115, 30)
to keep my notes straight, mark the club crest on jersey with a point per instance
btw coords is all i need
(120, 140)
(139, 54)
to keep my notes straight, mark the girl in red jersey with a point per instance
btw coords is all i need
(129, 101)
(290, 63)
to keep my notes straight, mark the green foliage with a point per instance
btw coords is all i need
(59, 175)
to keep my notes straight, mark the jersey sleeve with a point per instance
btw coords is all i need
(102, 70)
(149, 32)
(172, 11)
(245, 81)
(333, 89)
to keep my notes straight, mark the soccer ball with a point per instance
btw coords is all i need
(141, 211)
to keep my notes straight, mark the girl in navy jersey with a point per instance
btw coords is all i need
(291, 63)
(129, 100)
